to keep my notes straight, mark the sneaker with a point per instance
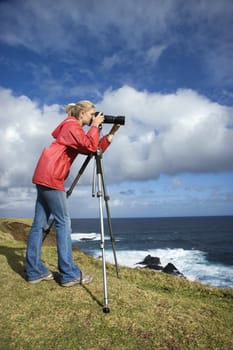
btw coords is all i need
(85, 279)
(48, 277)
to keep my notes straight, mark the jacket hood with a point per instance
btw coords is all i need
(58, 129)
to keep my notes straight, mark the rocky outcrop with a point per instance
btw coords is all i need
(154, 263)
(151, 262)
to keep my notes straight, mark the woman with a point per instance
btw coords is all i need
(51, 171)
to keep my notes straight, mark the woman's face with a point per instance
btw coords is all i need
(87, 116)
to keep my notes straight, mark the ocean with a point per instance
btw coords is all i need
(201, 248)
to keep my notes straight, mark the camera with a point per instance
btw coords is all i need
(111, 119)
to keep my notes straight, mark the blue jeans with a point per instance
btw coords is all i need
(51, 201)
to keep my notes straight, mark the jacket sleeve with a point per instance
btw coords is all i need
(84, 143)
(103, 144)
(72, 135)
(90, 145)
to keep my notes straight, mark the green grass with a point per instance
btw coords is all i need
(148, 310)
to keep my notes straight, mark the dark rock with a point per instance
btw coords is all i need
(150, 260)
(172, 270)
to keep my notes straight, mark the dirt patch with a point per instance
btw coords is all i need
(18, 229)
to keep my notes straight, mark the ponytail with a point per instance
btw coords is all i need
(74, 109)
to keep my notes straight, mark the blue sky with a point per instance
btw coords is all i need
(165, 65)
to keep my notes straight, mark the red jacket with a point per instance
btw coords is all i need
(55, 161)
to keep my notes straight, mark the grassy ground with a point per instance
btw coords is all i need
(148, 310)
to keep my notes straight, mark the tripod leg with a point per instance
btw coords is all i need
(106, 198)
(99, 195)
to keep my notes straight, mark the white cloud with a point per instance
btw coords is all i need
(25, 130)
(173, 133)
(154, 53)
(111, 61)
(163, 134)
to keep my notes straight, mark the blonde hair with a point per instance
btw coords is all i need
(74, 109)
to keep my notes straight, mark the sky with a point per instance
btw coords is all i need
(166, 65)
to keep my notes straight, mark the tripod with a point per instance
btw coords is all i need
(101, 189)
(101, 186)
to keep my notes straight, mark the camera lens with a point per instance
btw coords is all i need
(111, 119)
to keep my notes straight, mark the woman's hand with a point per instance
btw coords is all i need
(96, 121)
(112, 132)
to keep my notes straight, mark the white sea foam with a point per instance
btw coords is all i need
(192, 263)
(93, 236)
(85, 236)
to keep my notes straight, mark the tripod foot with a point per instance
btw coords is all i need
(106, 310)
